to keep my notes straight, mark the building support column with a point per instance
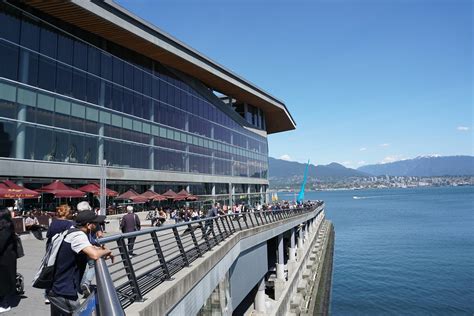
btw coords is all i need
(213, 193)
(299, 251)
(280, 269)
(248, 195)
(21, 115)
(292, 253)
(259, 304)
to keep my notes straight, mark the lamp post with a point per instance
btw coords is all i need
(103, 186)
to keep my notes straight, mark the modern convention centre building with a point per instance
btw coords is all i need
(82, 81)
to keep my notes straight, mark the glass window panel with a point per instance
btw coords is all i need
(10, 29)
(9, 58)
(46, 73)
(79, 86)
(93, 60)
(127, 123)
(106, 66)
(45, 102)
(78, 110)
(146, 107)
(7, 92)
(147, 83)
(29, 142)
(107, 94)
(170, 134)
(137, 79)
(48, 42)
(80, 55)
(117, 98)
(163, 132)
(91, 127)
(137, 126)
(44, 148)
(29, 35)
(76, 149)
(90, 150)
(64, 80)
(93, 89)
(8, 109)
(116, 120)
(127, 101)
(117, 65)
(155, 130)
(105, 117)
(63, 107)
(128, 75)
(7, 139)
(137, 109)
(92, 114)
(65, 49)
(177, 136)
(146, 128)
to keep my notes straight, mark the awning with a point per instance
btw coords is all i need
(11, 190)
(61, 190)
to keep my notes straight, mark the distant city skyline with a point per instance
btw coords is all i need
(366, 82)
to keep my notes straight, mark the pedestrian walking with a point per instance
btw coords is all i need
(130, 223)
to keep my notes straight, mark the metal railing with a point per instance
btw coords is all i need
(159, 253)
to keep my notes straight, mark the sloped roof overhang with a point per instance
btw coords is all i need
(108, 20)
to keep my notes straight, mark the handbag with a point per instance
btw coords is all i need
(20, 252)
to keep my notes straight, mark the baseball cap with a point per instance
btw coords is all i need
(83, 206)
(89, 216)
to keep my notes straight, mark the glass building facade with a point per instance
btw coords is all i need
(70, 96)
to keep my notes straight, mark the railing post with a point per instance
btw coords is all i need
(127, 264)
(180, 246)
(245, 219)
(219, 229)
(230, 223)
(226, 233)
(251, 220)
(107, 298)
(193, 236)
(161, 257)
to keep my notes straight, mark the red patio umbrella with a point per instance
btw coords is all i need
(127, 195)
(152, 195)
(11, 190)
(159, 198)
(61, 190)
(185, 195)
(170, 194)
(94, 188)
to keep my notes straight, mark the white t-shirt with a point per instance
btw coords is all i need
(78, 241)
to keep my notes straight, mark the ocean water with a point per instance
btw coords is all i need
(402, 251)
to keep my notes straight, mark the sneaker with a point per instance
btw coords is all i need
(86, 291)
(46, 301)
(5, 309)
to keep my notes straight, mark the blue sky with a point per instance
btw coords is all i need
(366, 81)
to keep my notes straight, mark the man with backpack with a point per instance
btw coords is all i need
(70, 263)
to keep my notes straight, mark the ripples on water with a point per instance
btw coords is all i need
(402, 251)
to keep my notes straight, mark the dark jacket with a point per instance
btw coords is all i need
(7, 258)
(130, 223)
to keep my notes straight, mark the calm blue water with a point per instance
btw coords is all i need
(402, 251)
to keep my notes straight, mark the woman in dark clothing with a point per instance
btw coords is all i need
(7, 260)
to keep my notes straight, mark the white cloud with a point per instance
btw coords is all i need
(384, 145)
(463, 128)
(363, 149)
(285, 157)
(393, 158)
(360, 163)
(347, 163)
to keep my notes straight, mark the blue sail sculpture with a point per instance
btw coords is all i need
(301, 194)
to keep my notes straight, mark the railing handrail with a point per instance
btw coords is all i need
(168, 249)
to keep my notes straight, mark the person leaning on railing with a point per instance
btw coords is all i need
(71, 261)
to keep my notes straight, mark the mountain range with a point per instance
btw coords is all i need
(283, 170)
(424, 166)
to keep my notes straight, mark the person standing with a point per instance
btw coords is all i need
(130, 223)
(213, 212)
(71, 261)
(8, 257)
(59, 224)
